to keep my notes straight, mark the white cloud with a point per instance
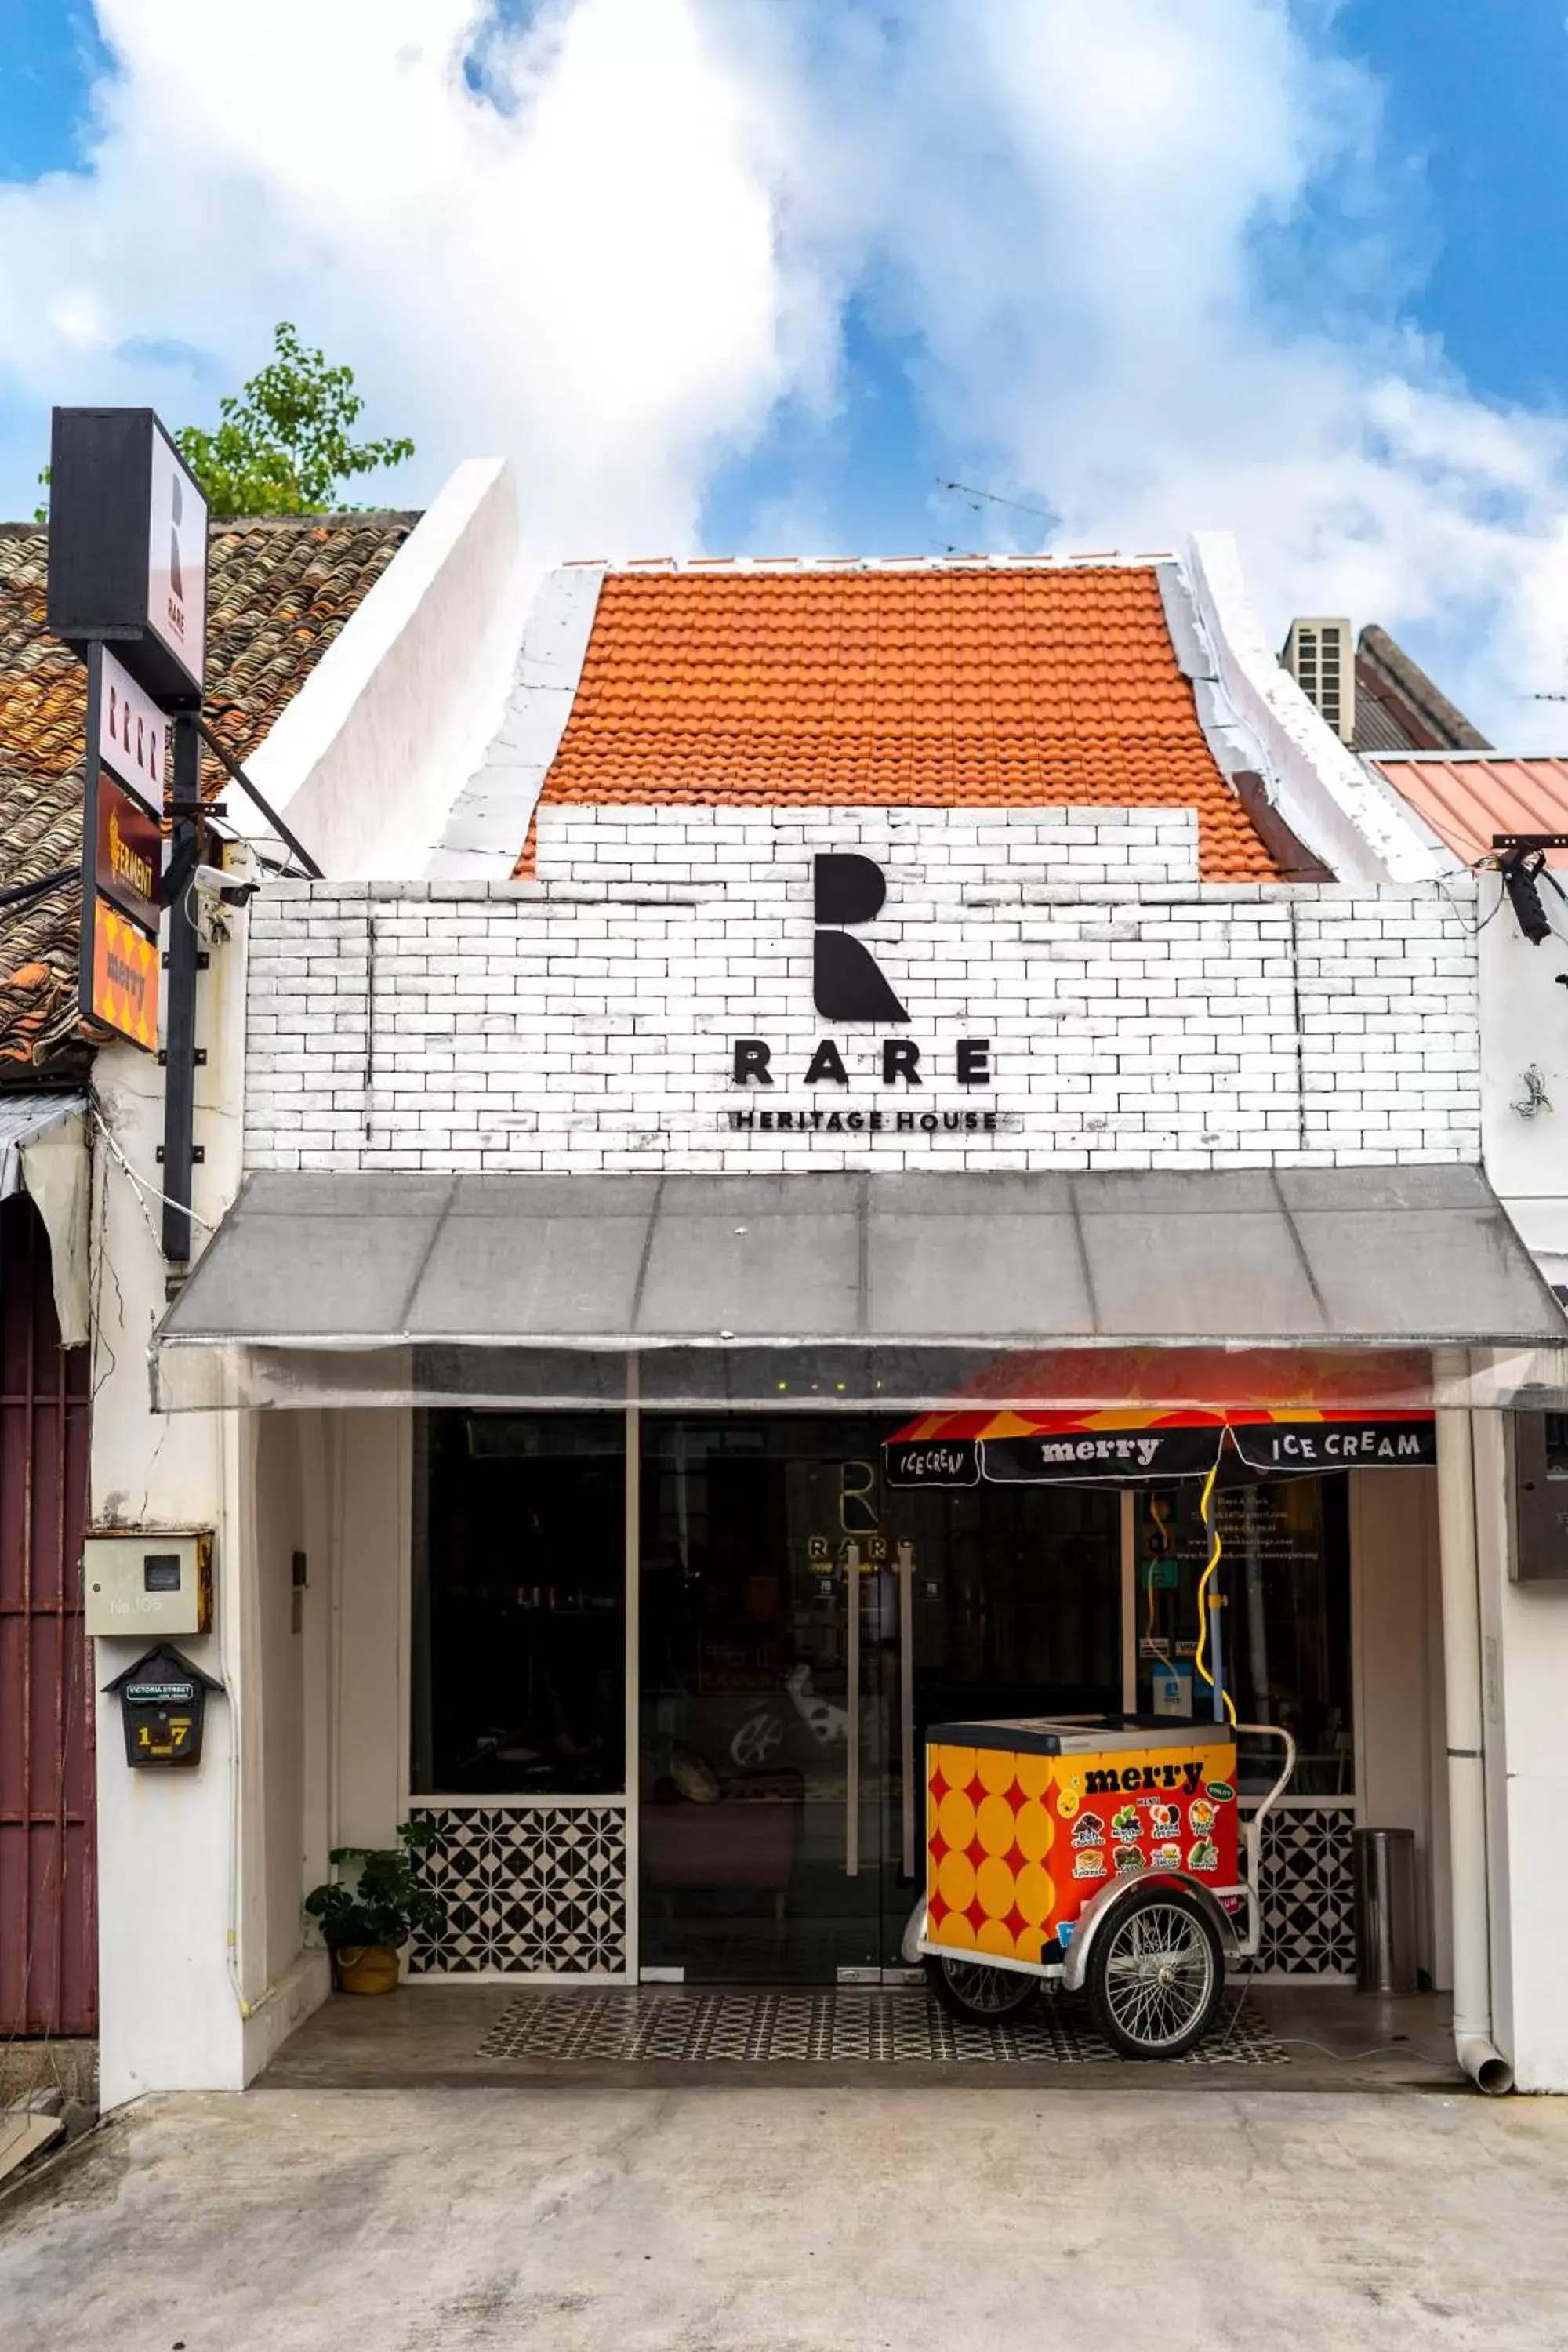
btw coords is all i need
(1151, 254)
(576, 266)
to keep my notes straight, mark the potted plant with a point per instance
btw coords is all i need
(365, 1919)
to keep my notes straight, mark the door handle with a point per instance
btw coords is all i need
(852, 1711)
(906, 1704)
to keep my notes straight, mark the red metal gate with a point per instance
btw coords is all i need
(48, 1960)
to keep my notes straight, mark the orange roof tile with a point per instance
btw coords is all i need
(941, 688)
(1466, 798)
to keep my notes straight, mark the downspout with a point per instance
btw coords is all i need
(1473, 2044)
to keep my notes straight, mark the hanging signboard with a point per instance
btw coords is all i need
(124, 975)
(121, 858)
(128, 539)
(133, 732)
(129, 855)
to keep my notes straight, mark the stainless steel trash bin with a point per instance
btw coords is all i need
(1385, 1911)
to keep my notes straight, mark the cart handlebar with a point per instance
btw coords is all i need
(1254, 1828)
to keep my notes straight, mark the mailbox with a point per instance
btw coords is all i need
(162, 1702)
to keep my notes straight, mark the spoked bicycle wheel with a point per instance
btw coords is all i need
(1157, 1974)
(974, 1991)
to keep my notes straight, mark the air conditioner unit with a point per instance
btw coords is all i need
(1321, 657)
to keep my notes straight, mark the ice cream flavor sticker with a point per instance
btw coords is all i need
(1203, 1854)
(1087, 1830)
(1167, 1856)
(1201, 1816)
(1088, 1863)
(1164, 1821)
(1129, 1858)
(1124, 1822)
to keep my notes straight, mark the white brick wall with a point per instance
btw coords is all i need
(587, 1019)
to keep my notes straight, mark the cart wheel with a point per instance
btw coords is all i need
(1157, 1974)
(979, 1994)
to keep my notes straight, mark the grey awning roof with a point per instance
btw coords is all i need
(1405, 1255)
(24, 1116)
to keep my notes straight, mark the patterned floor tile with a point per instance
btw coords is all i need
(889, 2026)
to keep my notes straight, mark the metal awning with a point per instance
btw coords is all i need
(24, 1116)
(1416, 1256)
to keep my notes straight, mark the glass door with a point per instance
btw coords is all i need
(801, 1625)
(769, 1647)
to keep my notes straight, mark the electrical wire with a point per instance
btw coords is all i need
(1213, 1527)
(145, 1191)
(968, 490)
(18, 897)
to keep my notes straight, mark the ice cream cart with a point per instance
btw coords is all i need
(1105, 1855)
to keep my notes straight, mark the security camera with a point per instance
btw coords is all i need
(212, 882)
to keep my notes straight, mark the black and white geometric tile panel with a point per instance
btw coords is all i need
(887, 2026)
(539, 1891)
(542, 1891)
(1307, 1893)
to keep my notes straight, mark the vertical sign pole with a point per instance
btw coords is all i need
(89, 829)
(180, 1028)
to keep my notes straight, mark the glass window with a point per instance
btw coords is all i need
(519, 1604)
(1284, 1576)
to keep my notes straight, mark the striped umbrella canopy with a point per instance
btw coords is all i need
(1144, 1445)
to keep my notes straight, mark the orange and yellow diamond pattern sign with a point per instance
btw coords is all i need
(1016, 1843)
(989, 1832)
(125, 966)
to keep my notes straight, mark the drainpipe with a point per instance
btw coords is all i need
(1473, 2044)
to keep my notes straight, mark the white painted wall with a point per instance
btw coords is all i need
(1137, 1018)
(365, 760)
(202, 1968)
(1355, 822)
(172, 1873)
(1524, 1014)
(371, 1692)
(1398, 1683)
(1524, 1024)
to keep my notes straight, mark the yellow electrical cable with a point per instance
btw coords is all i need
(1203, 1584)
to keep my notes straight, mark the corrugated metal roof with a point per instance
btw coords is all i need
(1468, 799)
(993, 1258)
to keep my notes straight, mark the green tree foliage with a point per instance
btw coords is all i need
(283, 444)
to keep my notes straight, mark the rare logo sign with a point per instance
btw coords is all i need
(849, 984)
(177, 560)
(131, 732)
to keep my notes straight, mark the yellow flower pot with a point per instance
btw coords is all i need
(365, 1968)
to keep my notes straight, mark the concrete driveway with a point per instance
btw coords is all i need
(744, 2219)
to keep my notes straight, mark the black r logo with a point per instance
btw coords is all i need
(846, 984)
(175, 512)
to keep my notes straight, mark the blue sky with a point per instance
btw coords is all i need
(763, 277)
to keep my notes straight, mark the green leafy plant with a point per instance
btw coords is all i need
(383, 1901)
(283, 443)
